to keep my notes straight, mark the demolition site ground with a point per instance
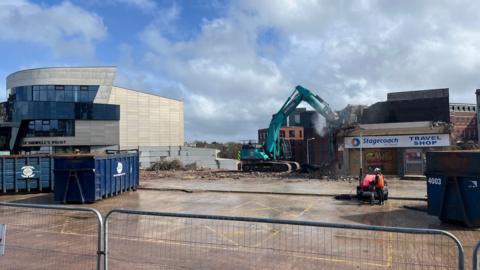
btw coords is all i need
(275, 196)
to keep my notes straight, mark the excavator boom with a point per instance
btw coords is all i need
(271, 152)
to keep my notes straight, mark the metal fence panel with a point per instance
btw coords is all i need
(475, 257)
(51, 237)
(152, 240)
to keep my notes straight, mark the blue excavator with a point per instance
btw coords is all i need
(274, 154)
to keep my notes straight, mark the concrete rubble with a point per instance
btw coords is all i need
(202, 157)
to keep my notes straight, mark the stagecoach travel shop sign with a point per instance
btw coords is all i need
(419, 140)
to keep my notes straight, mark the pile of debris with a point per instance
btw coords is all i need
(169, 165)
(327, 171)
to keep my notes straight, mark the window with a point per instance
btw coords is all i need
(36, 93)
(83, 95)
(51, 128)
(291, 134)
(300, 133)
(59, 93)
(43, 93)
(69, 93)
(282, 133)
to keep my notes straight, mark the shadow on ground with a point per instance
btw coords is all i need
(46, 198)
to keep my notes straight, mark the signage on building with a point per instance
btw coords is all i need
(43, 142)
(420, 140)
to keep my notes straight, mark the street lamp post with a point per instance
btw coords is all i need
(308, 150)
(361, 159)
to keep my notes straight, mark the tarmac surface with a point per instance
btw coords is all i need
(152, 242)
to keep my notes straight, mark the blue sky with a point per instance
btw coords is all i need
(234, 62)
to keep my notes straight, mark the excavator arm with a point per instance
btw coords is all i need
(272, 142)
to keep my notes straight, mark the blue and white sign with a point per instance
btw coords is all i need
(119, 169)
(420, 140)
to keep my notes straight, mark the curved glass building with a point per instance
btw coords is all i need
(63, 109)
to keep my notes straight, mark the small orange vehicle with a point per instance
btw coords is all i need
(366, 189)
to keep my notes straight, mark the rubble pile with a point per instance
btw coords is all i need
(205, 174)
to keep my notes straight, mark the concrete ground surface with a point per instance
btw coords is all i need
(402, 189)
(144, 242)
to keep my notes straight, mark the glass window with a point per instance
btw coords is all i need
(43, 92)
(51, 93)
(29, 92)
(18, 93)
(36, 95)
(45, 126)
(59, 87)
(291, 133)
(69, 94)
(83, 96)
(54, 128)
(51, 128)
(69, 128)
(38, 125)
(59, 95)
(91, 95)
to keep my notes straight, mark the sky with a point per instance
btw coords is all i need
(234, 63)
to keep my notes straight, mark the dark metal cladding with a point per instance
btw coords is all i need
(465, 163)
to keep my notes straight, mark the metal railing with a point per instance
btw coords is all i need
(51, 237)
(151, 240)
(475, 257)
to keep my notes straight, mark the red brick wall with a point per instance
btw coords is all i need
(464, 125)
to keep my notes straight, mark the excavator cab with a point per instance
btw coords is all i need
(252, 151)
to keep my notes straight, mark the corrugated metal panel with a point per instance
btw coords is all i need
(26, 173)
(91, 178)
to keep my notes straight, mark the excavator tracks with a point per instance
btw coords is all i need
(271, 166)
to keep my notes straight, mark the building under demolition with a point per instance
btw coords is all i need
(392, 135)
(395, 134)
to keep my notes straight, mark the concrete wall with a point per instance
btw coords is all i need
(203, 157)
(148, 120)
(102, 76)
(87, 133)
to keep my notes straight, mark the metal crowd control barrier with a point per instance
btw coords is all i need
(475, 256)
(153, 240)
(51, 237)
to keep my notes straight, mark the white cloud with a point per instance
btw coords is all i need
(233, 79)
(65, 28)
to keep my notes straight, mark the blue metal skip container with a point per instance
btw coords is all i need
(89, 178)
(454, 189)
(26, 173)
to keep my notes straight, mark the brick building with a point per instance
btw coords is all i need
(464, 121)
